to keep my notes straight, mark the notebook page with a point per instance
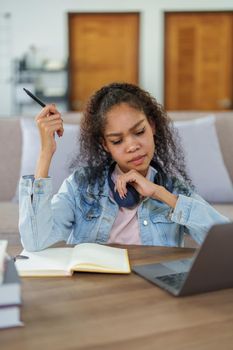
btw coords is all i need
(50, 261)
(99, 255)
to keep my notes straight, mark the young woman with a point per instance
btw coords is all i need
(129, 185)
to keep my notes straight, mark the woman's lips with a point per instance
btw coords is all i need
(138, 160)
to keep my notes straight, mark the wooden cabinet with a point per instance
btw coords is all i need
(198, 61)
(103, 47)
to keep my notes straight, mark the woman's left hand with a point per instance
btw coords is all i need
(144, 187)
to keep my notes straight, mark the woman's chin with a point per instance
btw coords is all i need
(142, 169)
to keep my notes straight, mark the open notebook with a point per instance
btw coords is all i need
(89, 257)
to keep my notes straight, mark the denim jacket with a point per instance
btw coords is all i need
(81, 213)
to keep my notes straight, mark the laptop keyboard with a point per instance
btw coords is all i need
(174, 280)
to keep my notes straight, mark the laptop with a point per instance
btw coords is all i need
(211, 267)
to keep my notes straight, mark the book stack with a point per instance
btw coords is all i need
(10, 290)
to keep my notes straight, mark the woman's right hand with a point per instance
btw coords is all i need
(49, 122)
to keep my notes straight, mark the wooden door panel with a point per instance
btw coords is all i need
(198, 61)
(103, 48)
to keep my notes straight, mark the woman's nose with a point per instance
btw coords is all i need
(133, 148)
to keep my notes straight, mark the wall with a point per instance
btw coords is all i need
(44, 23)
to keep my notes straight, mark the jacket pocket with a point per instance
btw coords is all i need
(160, 215)
(168, 231)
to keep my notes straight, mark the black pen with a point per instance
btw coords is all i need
(20, 257)
(42, 104)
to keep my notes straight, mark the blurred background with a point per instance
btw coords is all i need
(63, 50)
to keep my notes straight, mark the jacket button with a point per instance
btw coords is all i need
(145, 222)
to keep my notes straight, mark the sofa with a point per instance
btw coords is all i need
(11, 155)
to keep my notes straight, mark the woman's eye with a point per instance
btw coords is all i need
(140, 131)
(117, 142)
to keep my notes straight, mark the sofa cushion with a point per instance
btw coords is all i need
(67, 147)
(11, 149)
(224, 128)
(204, 160)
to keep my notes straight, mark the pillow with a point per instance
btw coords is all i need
(67, 148)
(204, 160)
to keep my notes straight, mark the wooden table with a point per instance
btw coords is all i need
(97, 311)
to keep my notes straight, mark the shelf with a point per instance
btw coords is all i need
(42, 70)
(39, 81)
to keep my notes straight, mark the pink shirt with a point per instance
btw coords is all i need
(125, 229)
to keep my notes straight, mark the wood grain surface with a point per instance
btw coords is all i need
(97, 311)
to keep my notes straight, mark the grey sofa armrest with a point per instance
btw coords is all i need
(10, 156)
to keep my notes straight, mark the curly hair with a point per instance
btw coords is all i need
(168, 156)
